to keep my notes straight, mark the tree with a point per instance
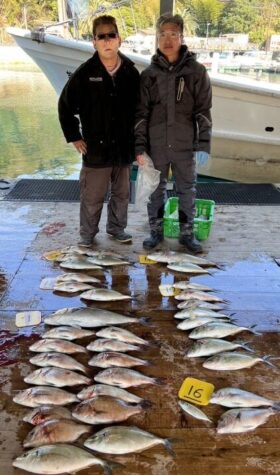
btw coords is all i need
(206, 13)
(239, 16)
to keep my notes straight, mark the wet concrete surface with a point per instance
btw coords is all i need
(249, 280)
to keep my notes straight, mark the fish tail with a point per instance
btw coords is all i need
(146, 321)
(109, 466)
(251, 328)
(265, 360)
(168, 445)
(248, 348)
(159, 381)
(276, 406)
(145, 404)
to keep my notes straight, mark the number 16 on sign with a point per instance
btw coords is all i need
(196, 391)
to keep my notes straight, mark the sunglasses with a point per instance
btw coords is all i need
(107, 36)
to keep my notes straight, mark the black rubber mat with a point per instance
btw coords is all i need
(228, 193)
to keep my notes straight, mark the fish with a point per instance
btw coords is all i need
(77, 277)
(67, 333)
(233, 361)
(59, 346)
(106, 390)
(213, 346)
(235, 397)
(243, 420)
(124, 378)
(46, 413)
(40, 395)
(71, 287)
(54, 431)
(111, 359)
(102, 253)
(89, 318)
(199, 312)
(187, 285)
(193, 411)
(119, 440)
(173, 256)
(191, 304)
(218, 330)
(79, 263)
(106, 261)
(58, 458)
(190, 323)
(187, 267)
(106, 344)
(193, 294)
(58, 360)
(58, 377)
(103, 295)
(121, 334)
(106, 409)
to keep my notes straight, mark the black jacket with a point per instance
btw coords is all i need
(105, 107)
(174, 108)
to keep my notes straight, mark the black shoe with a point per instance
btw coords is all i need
(190, 243)
(152, 241)
(85, 242)
(122, 237)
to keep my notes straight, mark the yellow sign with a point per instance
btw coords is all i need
(28, 319)
(176, 291)
(52, 255)
(144, 260)
(196, 391)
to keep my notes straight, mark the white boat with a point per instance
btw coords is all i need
(246, 113)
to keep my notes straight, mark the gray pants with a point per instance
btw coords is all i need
(183, 167)
(94, 184)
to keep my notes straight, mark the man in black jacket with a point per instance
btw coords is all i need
(102, 92)
(173, 125)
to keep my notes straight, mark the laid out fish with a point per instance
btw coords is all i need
(106, 344)
(191, 304)
(77, 277)
(104, 295)
(243, 420)
(187, 267)
(218, 330)
(89, 318)
(102, 253)
(56, 377)
(187, 285)
(193, 411)
(46, 413)
(110, 359)
(124, 378)
(233, 361)
(120, 440)
(196, 295)
(58, 360)
(40, 395)
(213, 346)
(106, 261)
(106, 390)
(199, 312)
(71, 287)
(54, 431)
(56, 459)
(121, 334)
(106, 409)
(190, 323)
(235, 397)
(67, 333)
(174, 256)
(79, 262)
(60, 346)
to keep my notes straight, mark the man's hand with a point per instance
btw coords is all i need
(80, 146)
(201, 158)
(140, 159)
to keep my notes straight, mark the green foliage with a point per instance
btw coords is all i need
(206, 12)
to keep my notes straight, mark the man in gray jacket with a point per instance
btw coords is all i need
(173, 126)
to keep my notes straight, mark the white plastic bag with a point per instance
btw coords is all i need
(146, 183)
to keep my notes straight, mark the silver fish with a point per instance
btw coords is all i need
(243, 420)
(233, 361)
(124, 378)
(37, 396)
(106, 344)
(76, 277)
(213, 346)
(218, 330)
(102, 253)
(103, 295)
(54, 431)
(193, 411)
(187, 285)
(106, 390)
(191, 304)
(173, 256)
(187, 267)
(106, 409)
(199, 312)
(89, 318)
(79, 262)
(235, 397)
(111, 359)
(60, 346)
(58, 360)
(67, 333)
(46, 413)
(121, 334)
(196, 295)
(71, 287)
(190, 323)
(58, 458)
(120, 440)
(106, 261)
(56, 377)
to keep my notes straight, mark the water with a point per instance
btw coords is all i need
(31, 141)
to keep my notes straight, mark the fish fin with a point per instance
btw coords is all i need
(168, 446)
(159, 381)
(276, 406)
(109, 466)
(145, 321)
(145, 404)
(251, 328)
(265, 360)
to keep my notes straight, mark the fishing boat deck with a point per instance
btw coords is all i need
(245, 240)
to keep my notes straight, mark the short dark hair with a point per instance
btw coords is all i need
(104, 20)
(169, 18)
